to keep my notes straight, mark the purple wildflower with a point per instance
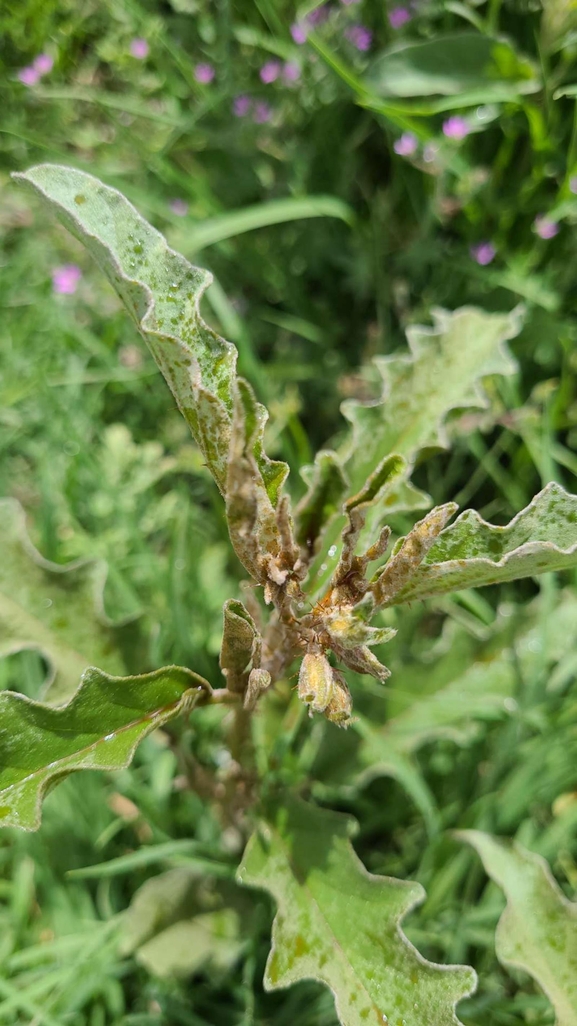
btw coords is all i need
(270, 71)
(359, 36)
(291, 71)
(204, 73)
(545, 227)
(65, 279)
(262, 112)
(406, 144)
(399, 16)
(299, 33)
(573, 184)
(179, 207)
(29, 76)
(456, 127)
(319, 15)
(139, 48)
(43, 63)
(241, 105)
(483, 253)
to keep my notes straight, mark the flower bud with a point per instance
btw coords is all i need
(340, 706)
(316, 681)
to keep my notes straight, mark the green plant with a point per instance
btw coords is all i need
(329, 597)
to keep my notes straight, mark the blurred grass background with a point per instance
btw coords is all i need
(326, 242)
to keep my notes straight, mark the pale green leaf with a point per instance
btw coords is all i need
(176, 925)
(99, 728)
(450, 65)
(162, 292)
(443, 371)
(471, 552)
(55, 609)
(340, 925)
(538, 929)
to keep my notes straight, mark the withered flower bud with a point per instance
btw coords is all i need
(340, 706)
(258, 682)
(316, 681)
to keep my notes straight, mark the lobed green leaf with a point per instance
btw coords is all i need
(538, 929)
(339, 924)
(442, 372)
(471, 552)
(99, 728)
(162, 292)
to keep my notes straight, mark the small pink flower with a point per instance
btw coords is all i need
(262, 113)
(29, 76)
(270, 71)
(204, 73)
(359, 36)
(399, 16)
(545, 227)
(291, 71)
(319, 15)
(299, 33)
(241, 105)
(179, 207)
(406, 144)
(456, 127)
(573, 184)
(139, 48)
(43, 63)
(65, 279)
(484, 253)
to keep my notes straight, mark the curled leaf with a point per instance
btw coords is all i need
(443, 371)
(327, 487)
(471, 552)
(410, 553)
(162, 292)
(241, 643)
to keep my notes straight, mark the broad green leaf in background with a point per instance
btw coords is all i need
(177, 923)
(443, 371)
(339, 924)
(162, 292)
(457, 63)
(55, 609)
(99, 728)
(538, 929)
(471, 552)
